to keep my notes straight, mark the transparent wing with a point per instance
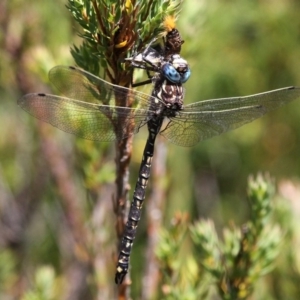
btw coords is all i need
(86, 120)
(187, 129)
(269, 100)
(90, 107)
(202, 120)
(75, 83)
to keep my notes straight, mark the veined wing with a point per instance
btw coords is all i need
(268, 100)
(204, 119)
(75, 83)
(86, 120)
(187, 129)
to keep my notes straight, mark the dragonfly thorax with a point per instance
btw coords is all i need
(170, 94)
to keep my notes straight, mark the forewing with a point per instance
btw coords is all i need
(204, 119)
(269, 101)
(75, 83)
(86, 120)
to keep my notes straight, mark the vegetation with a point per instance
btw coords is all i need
(58, 194)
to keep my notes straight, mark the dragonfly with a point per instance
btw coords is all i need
(88, 108)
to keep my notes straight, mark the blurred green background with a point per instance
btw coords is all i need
(50, 181)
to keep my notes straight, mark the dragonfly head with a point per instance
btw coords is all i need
(176, 70)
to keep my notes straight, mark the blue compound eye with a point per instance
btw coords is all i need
(171, 74)
(186, 75)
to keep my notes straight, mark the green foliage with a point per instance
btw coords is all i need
(114, 30)
(44, 286)
(246, 254)
(180, 272)
(233, 265)
(8, 275)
